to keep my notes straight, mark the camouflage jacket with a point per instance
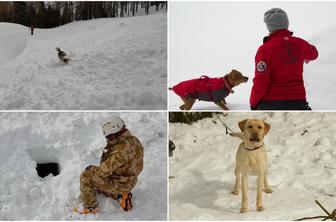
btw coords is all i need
(122, 161)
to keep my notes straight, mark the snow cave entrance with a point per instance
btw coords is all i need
(44, 169)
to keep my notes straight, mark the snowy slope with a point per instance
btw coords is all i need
(13, 41)
(227, 36)
(71, 139)
(115, 63)
(301, 168)
(320, 75)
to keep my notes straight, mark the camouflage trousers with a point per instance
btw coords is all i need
(91, 183)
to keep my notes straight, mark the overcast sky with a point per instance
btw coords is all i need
(209, 38)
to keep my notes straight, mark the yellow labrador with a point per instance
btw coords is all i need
(251, 159)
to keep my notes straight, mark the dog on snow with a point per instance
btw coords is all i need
(208, 89)
(62, 56)
(251, 159)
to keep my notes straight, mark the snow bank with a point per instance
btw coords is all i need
(115, 63)
(13, 41)
(301, 153)
(72, 140)
(227, 36)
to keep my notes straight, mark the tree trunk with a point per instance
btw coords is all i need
(147, 8)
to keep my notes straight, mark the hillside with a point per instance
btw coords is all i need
(114, 64)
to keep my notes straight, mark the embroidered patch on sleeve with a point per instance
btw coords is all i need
(261, 66)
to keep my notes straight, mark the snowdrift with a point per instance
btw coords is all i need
(301, 162)
(73, 140)
(13, 41)
(115, 63)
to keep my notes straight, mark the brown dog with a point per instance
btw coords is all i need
(251, 159)
(208, 89)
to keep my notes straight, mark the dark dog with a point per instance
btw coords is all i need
(62, 56)
(208, 89)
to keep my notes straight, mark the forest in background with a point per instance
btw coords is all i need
(53, 14)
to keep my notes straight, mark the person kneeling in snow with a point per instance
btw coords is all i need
(278, 83)
(120, 165)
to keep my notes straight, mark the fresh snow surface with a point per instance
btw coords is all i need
(227, 35)
(72, 140)
(301, 163)
(115, 64)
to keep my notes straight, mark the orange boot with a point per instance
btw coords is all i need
(126, 201)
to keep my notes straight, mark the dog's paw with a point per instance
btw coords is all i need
(243, 209)
(268, 190)
(260, 208)
(235, 192)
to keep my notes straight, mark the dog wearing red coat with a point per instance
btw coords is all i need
(208, 89)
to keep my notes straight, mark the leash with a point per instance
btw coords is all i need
(227, 128)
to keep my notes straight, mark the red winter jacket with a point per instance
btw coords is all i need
(279, 67)
(202, 84)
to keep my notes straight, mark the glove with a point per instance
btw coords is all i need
(88, 167)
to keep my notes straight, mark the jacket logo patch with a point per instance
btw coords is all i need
(261, 66)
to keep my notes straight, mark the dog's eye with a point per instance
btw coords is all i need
(259, 127)
(249, 126)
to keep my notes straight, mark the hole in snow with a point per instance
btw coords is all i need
(44, 169)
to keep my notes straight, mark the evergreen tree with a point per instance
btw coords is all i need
(53, 14)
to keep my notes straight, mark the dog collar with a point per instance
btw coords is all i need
(253, 148)
(227, 85)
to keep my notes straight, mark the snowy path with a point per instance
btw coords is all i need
(69, 139)
(114, 64)
(301, 168)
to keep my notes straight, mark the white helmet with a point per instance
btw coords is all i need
(113, 125)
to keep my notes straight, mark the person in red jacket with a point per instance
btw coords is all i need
(278, 82)
(32, 29)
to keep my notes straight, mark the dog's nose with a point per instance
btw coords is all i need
(254, 135)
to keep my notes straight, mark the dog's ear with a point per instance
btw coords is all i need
(267, 127)
(241, 124)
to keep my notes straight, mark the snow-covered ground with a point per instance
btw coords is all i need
(211, 38)
(115, 64)
(301, 161)
(72, 140)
